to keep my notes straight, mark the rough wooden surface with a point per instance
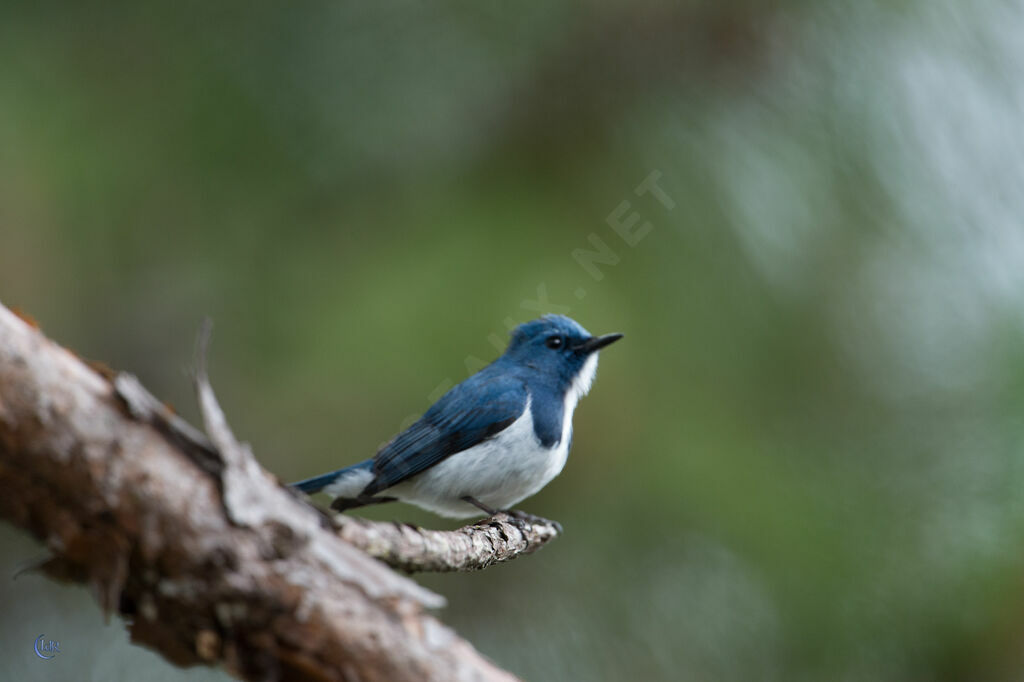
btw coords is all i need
(213, 560)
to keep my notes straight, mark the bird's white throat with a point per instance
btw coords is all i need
(579, 387)
(584, 379)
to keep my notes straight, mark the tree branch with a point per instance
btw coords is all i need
(470, 548)
(209, 557)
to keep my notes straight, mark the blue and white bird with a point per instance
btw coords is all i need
(491, 441)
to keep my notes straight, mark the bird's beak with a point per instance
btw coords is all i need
(595, 343)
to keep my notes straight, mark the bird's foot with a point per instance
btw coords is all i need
(517, 517)
(521, 519)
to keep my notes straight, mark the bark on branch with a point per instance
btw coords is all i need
(211, 559)
(499, 538)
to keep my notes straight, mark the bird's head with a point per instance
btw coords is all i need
(559, 347)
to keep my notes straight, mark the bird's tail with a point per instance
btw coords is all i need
(318, 483)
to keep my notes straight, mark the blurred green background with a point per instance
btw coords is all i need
(805, 460)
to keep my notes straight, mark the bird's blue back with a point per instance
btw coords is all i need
(473, 411)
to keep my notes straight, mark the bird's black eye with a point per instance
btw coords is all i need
(554, 342)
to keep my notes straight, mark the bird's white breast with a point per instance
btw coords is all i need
(499, 472)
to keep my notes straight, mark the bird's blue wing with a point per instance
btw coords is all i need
(475, 410)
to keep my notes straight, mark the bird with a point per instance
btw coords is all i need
(492, 440)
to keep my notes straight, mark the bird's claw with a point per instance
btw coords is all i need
(520, 519)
